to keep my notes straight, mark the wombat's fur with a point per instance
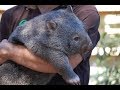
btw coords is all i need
(54, 36)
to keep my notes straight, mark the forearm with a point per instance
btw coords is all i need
(23, 56)
(26, 58)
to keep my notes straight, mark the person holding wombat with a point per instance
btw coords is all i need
(26, 58)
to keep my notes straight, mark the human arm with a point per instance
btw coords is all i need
(23, 56)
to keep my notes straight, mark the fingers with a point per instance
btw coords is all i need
(5, 47)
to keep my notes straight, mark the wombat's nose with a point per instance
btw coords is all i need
(86, 48)
(90, 46)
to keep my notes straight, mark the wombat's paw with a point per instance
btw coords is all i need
(74, 81)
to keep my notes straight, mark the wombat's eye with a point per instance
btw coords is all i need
(76, 38)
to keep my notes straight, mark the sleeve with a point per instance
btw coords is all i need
(90, 17)
(5, 26)
(92, 24)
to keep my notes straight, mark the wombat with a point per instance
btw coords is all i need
(54, 36)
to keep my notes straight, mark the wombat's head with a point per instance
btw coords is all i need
(67, 32)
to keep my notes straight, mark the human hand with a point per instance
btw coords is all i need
(75, 60)
(5, 48)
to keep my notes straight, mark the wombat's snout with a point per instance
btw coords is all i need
(90, 46)
(86, 48)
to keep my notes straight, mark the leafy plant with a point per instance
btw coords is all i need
(112, 64)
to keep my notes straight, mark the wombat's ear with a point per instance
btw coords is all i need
(69, 8)
(51, 25)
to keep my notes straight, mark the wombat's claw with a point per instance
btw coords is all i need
(74, 81)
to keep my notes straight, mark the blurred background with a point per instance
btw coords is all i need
(104, 62)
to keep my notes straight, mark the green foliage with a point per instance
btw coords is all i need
(109, 40)
(111, 63)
